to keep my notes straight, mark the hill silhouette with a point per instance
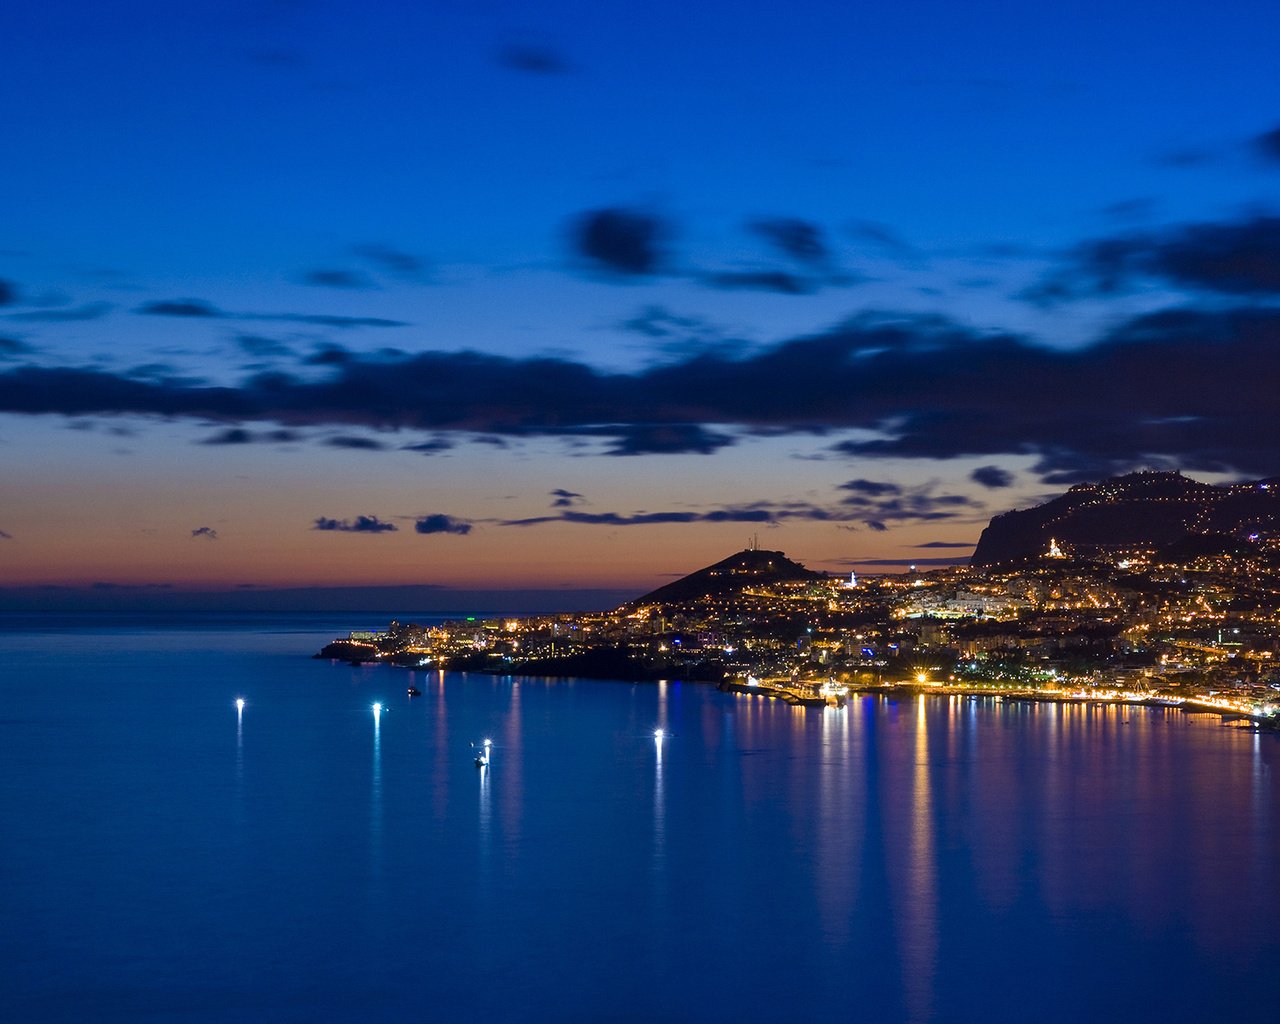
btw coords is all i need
(730, 576)
(1150, 509)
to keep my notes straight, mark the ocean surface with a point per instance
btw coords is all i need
(165, 857)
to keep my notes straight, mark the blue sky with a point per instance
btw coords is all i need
(294, 201)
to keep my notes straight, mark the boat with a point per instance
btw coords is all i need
(414, 692)
(482, 758)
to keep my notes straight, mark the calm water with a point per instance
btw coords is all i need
(163, 858)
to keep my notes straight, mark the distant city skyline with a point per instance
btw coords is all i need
(578, 297)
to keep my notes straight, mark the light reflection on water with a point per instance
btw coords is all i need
(375, 798)
(919, 908)
(932, 859)
(239, 740)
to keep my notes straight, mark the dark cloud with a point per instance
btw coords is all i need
(441, 523)
(392, 260)
(876, 504)
(156, 371)
(1065, 466)
(329, 355)
(565, 499)
(433, 447)
(199, 309)
(622, 241)
(181, 307)
(781, 282)
(746, 515)
(872, 488)
(33, 389)
(945, 544)
(658, 322)
(208, 532)
(232, 435)
(668, 439)
(355, 442)
(880, 235)
(257, 345)
(12, 348)
(361, 524)
(532, 60)
(5, 536)
(8, 292)
(337, 278)
(802, 240)
(768, 513)
(324, 320)
(1194, 388)
(1267, 145)
(1239, 258)
(992, 476)
(75, 314)
(239, 435)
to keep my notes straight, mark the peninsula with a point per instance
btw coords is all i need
(1145, 588)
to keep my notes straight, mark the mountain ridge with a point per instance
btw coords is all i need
(1150, 508)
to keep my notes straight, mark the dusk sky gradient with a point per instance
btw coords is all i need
(582, 295)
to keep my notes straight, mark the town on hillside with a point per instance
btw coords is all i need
(1149, 588)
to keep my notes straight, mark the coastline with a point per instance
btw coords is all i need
(608, 668)
(1187, 705)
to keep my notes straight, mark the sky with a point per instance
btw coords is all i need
(576, 297)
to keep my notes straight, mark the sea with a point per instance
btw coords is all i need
(168, 856)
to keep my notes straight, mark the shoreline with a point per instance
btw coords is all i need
(1029, 695)
(1187, 705)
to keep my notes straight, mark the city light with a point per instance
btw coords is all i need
(1123, 622)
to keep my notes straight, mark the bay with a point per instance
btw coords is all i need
(166, 857)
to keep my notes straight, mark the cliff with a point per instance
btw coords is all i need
(1137, 510)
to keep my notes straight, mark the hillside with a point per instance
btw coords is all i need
(730, 576)
(1139, 509)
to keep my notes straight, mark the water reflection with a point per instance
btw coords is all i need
(659, 795)
(659, 802)
(239, 739)
(840, 826)
(1262, 867)
(486, 812)
(1070, 803)
(512, 795)
(440, 776)
(376, 795)
(920, 910)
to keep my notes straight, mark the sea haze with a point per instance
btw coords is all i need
(948, 859)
